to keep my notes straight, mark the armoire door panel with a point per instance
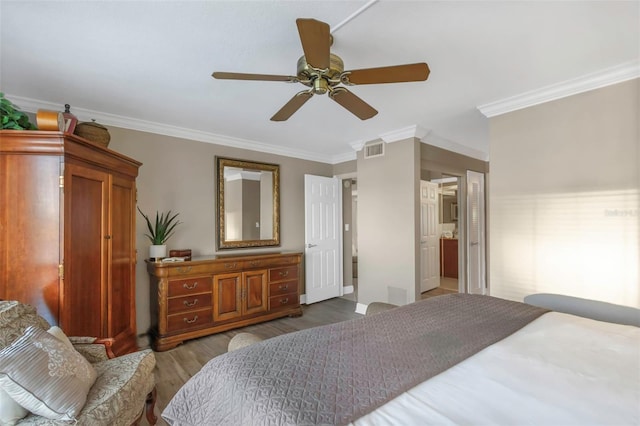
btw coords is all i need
(30, 194)
(85, 259)
(121, 243)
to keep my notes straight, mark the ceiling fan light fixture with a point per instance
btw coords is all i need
(323, 71)
(320, 86)
(306, 72)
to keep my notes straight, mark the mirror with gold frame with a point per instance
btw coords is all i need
(248, 212)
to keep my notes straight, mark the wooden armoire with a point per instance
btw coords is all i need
(67, 233)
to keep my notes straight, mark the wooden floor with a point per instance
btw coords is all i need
(174, 367)
(447, 286)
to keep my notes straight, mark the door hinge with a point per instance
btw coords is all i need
(61, 271)
(61, 181)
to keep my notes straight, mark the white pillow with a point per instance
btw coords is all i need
(10, 411)
(45, 376)
(57, 332)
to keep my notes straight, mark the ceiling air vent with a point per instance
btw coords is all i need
(374, 150)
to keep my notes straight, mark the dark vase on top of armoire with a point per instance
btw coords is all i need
(67, 233)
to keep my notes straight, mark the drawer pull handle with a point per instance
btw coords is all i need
(191, 321)
(230, 265)
(284, 301)
(190, 287)
(190, 304)
(283, 287)
(284, 273)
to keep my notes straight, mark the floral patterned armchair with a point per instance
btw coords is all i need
(123, 390)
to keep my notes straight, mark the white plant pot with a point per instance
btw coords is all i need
(157, 252)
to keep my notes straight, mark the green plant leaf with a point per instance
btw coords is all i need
(12, 117)
(164, 226)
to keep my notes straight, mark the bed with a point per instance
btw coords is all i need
(455, 359)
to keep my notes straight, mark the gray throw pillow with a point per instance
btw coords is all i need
(46, 376)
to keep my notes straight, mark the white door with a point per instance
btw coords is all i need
(429, 238)
(323, 237)
(476, 279)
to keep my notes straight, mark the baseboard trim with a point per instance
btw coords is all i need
(348, 289)
(303, 299)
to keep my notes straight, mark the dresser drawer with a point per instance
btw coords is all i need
(187, 320)
(283, 274)
(283, 301)
(189, 303)
(190, 286)
(276, 289)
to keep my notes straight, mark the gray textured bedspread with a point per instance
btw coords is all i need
(337, 373)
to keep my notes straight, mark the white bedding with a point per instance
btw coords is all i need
(558, 370)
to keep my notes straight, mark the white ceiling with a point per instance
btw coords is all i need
(147, 65)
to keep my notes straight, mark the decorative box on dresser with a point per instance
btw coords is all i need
(67, 233)
(212, 294)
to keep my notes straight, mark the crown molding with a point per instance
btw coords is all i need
(404, 133)
(357, 145)
(343, 158)
(83, 114)
(437, 141)
(596, 80)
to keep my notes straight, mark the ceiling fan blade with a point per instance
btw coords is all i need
(262, 77)
(351, 102)
(316, 41)
(392, 74)
(292, 106)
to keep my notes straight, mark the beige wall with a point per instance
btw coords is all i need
(434, 159)
(345, 168)
(178, 174)
(388, 189)
(564, 196)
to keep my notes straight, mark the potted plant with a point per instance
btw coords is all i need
(12, 117)
(159, 232)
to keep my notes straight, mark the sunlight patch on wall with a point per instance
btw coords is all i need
(582, 244)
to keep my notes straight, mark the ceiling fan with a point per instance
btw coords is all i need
(323, 71)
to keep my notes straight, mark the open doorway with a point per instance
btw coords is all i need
(447, 231)
(350, 236)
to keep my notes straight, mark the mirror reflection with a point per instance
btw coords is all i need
(449, 201)
(248, 199)
(447, 204)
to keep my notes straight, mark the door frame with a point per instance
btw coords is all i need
(348, 285)
(482, 243)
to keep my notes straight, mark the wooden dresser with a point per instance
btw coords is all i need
(212, 294)
(67, 233)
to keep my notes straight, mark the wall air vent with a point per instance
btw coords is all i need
(375, 149)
